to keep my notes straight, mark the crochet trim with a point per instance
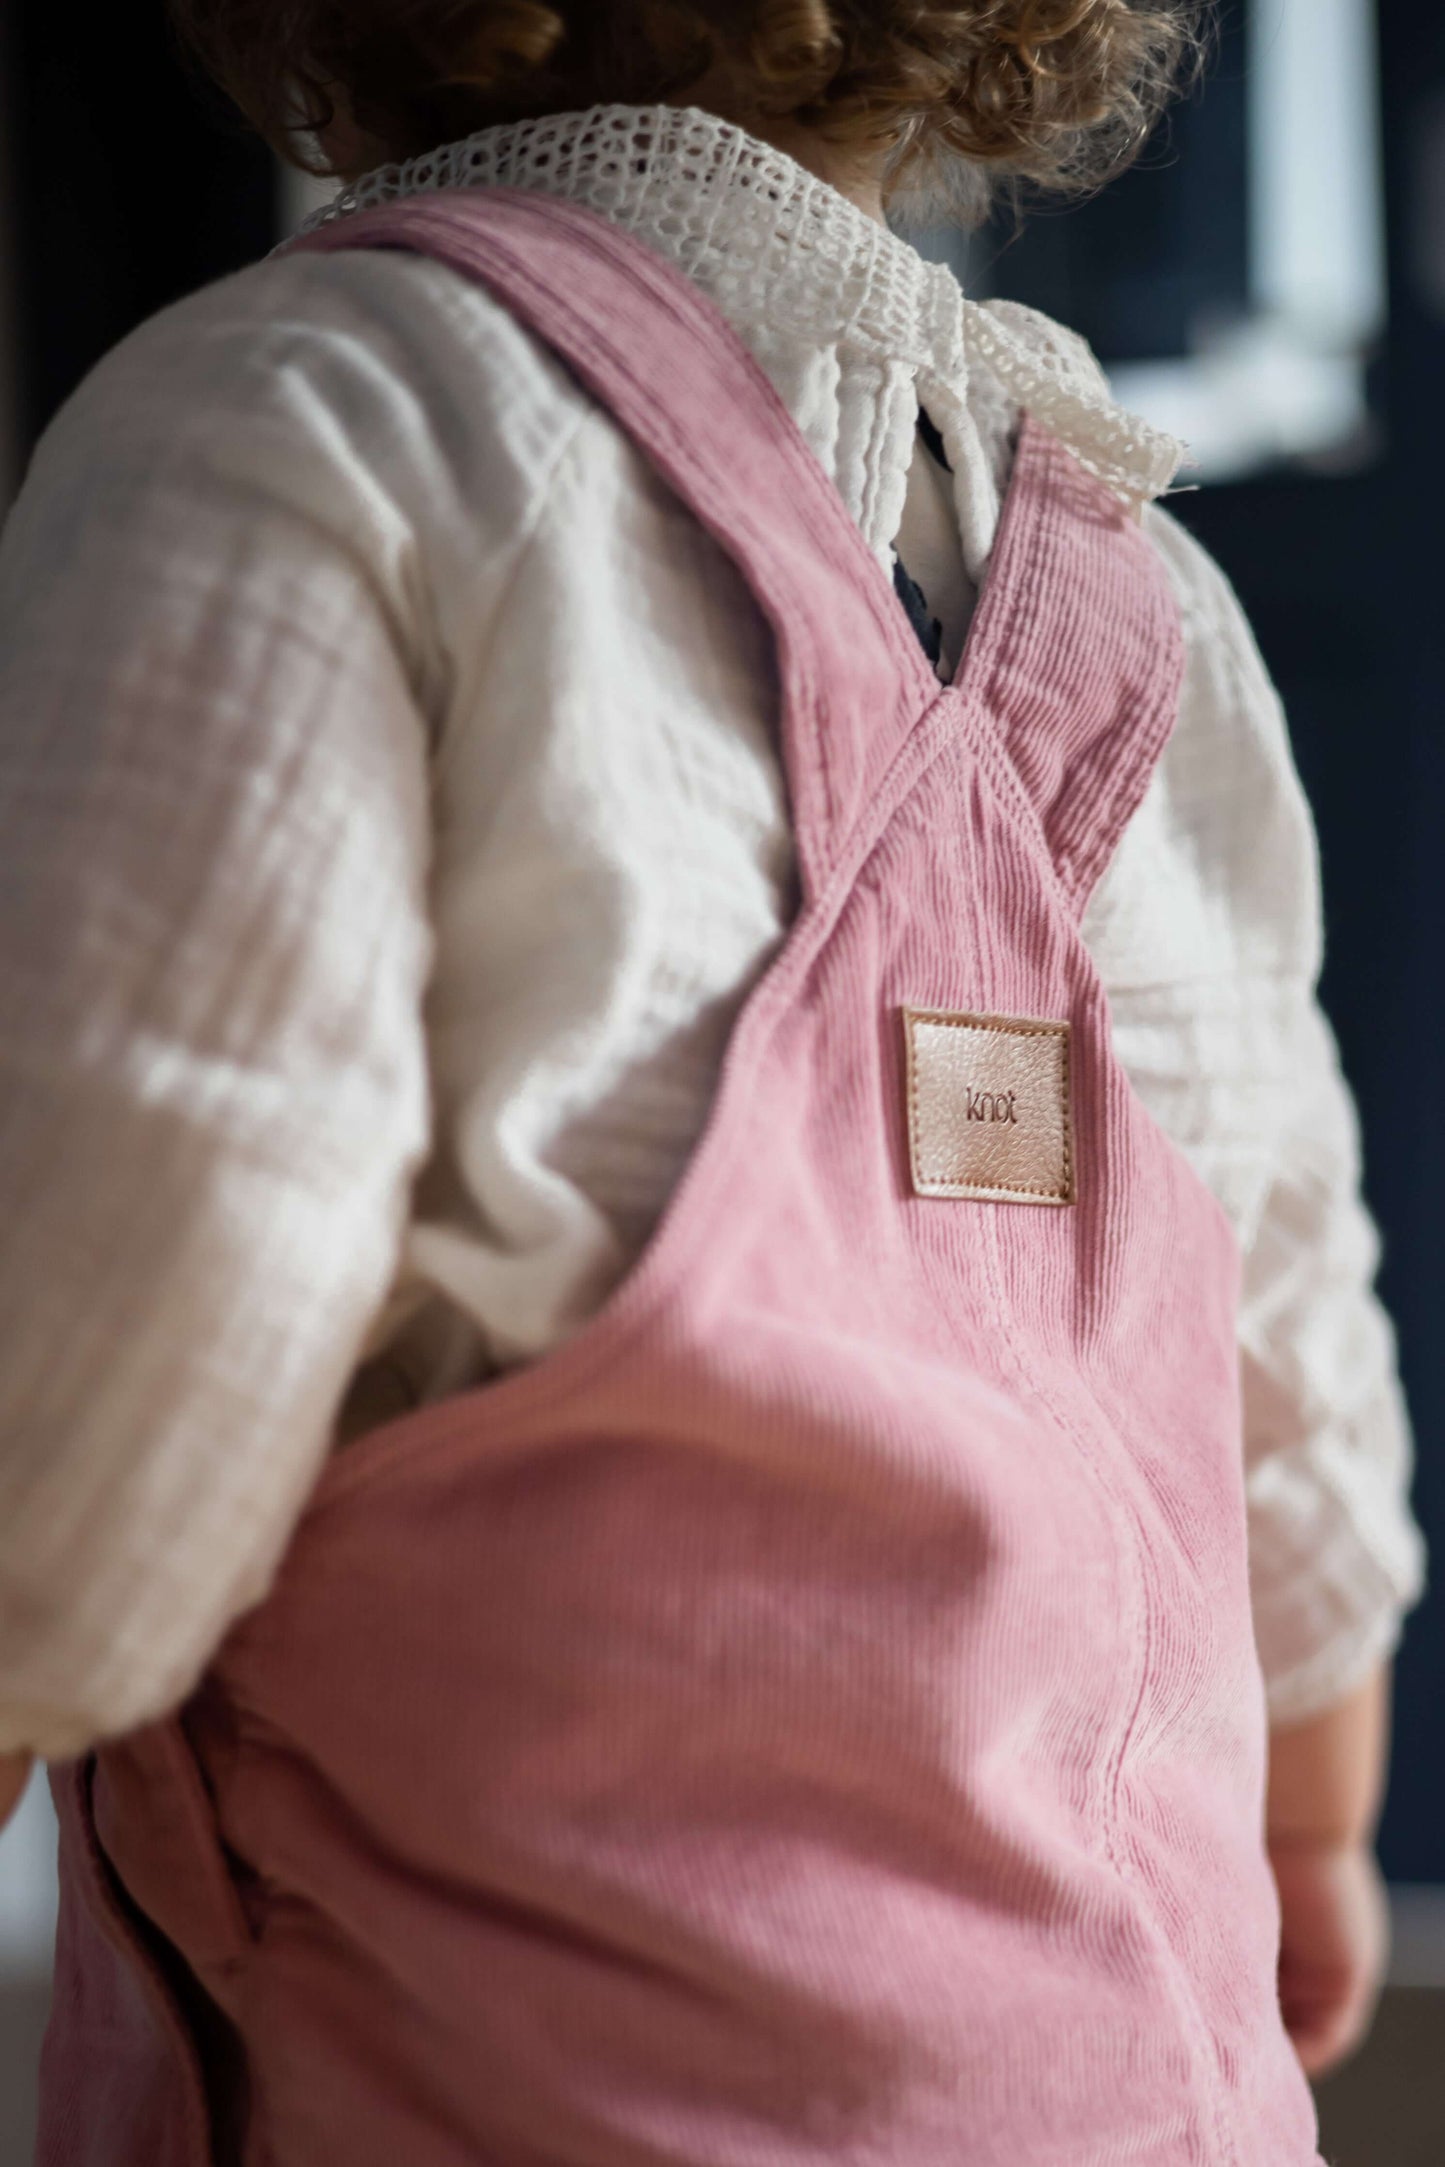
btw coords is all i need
(777, 247)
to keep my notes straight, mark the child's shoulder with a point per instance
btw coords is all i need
(382, 363)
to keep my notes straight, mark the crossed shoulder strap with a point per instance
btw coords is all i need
(1070, 681)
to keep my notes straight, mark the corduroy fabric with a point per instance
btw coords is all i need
(814, 1714)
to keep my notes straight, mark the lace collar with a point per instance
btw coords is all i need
(784, 254)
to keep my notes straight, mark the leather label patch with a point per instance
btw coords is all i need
(988, 1107)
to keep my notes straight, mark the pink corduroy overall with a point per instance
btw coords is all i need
(813, 1716)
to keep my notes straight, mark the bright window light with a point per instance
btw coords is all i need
(1288, 382)
(1316, 231)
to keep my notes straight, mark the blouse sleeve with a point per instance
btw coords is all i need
(213, 950)
(1207, 930)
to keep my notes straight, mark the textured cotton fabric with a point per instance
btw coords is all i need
(813, 1715)
(391, 825)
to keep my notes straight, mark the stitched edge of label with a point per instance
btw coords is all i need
(973, 1192)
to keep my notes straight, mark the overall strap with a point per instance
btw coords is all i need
(657, 354)
(1078, 656)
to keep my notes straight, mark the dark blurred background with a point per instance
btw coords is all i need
(1271, 284)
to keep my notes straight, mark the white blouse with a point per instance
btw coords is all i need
(391, 825)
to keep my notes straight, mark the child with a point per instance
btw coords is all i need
(661, 1088)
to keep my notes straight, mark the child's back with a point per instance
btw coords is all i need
(857, 1741)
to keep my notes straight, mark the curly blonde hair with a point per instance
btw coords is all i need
(1061, 93)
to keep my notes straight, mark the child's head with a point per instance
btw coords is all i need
(1054, 91)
